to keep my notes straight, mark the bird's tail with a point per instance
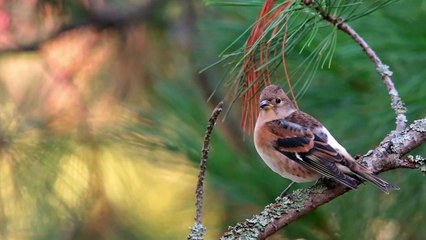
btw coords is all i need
(366, 175)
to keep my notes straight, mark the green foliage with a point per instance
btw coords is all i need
(303, 30)
(134, 177)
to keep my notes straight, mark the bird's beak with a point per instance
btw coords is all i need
(265, 105)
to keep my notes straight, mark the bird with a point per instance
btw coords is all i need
(298, 147)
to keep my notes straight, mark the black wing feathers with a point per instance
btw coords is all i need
(301, 145)
(293, 142)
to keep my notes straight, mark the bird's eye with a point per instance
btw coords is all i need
(278, 100)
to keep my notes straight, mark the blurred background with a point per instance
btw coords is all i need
(103, 109)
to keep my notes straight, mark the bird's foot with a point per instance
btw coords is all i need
(287, 189)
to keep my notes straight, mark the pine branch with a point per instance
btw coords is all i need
(285, 210)
(396, 103)
(283, 26)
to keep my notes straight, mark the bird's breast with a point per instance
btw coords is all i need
(278, 162)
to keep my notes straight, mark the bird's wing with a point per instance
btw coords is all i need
(303, 146)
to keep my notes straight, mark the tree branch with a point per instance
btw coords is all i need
(396, 103)
(287, 209)
(98, 19)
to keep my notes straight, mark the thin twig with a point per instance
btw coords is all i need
(396, 103)
(197, 231)
(285, 210)
(203, 162)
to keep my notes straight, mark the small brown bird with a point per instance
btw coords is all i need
(298, 147)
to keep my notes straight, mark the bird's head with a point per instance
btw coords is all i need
(274, 98)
